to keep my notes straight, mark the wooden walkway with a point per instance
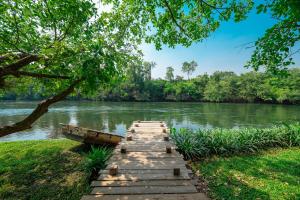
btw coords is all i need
(145, 167)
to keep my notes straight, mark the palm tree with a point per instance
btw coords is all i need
(189, 68)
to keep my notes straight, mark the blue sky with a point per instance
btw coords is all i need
(223, 50)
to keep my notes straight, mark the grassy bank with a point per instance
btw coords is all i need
(205, 143)
(272, 174)
(49, 169)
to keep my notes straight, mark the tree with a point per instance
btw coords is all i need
(189, 68)
(60, 46)
(170, 74)
(148, 66)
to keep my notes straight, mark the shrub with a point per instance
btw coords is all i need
(97, 158)
(204, 142)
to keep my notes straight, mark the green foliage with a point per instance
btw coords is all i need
(203, 143)
(269, 175)
(175, 22)
(275, 49)
(97, 158)
(69, 38)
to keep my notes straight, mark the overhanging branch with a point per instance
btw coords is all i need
(11, 68)
(174, 19)
(38, 75)
(41, 109)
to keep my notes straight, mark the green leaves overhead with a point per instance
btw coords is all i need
(275, 49)
(175, 22)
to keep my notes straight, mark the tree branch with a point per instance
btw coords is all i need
(213, 7)
(41, 109)
(38, 75)
(174, 19)
(11, 68)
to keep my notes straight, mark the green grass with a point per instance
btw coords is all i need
(205, 143)
(272, 174)
(47, 169)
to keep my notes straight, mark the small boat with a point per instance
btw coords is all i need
(89, 136)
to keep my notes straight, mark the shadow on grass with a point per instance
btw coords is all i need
(254, 177)
(49, 172)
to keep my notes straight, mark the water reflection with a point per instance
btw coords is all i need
(117, 117)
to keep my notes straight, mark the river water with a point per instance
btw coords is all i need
(116, 117)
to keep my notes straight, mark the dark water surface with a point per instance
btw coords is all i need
(116, 117)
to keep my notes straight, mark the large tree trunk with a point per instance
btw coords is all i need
(41, 109)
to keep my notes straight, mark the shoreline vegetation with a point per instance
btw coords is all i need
(205, 143)
(227, 87)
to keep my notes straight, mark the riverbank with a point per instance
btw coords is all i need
(44, 169)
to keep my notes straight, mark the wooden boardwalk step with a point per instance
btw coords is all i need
(145, 155)
(141, 183)
(146, 171)
(145, 190)
(142, 177)
(189, 196)
(147, 164)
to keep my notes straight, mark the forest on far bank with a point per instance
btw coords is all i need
(221, 86)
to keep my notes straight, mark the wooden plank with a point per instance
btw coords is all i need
(145, 155)
(147, 164)
(116, 158)
(145, 148)
(145, 171)
(145, 190)
(140, 183)
(141, 142)
(193, 196)
(143, 177)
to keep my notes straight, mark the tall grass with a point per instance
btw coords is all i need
(97, 158)
(203, 143)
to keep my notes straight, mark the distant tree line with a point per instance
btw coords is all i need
(221, 86)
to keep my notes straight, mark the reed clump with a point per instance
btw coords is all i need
(207, 142)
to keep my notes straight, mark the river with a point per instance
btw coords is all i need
(116, 117)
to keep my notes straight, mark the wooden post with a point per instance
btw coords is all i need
(113, 170)
(176, 171)
(164, 130)
(166, 138)
(129, 138)
(123, 149)
(168, 149)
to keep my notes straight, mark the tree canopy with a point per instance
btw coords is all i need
(59, 46)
